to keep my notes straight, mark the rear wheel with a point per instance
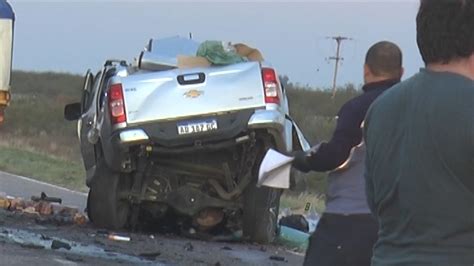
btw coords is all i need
(105, 207)
(260, 212)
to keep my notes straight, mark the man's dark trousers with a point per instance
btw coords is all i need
(342, 240)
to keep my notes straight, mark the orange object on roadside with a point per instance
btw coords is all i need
(4, 102)
(80, 219)
(44, 208)
(17, 204)
(4, 203)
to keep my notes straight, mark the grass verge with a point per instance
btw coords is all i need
(42, 167)
(297, 203)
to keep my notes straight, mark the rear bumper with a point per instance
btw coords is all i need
(231, 125)
(234, 128)
(267, 119)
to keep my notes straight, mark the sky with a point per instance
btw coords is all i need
(72, 36)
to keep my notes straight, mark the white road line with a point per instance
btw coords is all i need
(45, 184)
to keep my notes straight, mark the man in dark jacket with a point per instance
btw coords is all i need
(347, 231)
(420, 147)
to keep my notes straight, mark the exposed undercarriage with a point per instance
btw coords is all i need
(206, 187)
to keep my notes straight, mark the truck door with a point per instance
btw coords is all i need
(87, 121)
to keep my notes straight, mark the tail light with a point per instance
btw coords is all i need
(116, 104)
(270, 85)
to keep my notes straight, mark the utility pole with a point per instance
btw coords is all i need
(337, 58)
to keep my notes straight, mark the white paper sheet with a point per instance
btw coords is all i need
(275, 170)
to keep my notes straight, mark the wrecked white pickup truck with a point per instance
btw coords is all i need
(176, 133)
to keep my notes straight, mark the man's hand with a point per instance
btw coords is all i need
(301, 161)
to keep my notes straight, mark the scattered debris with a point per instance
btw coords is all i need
(43, 237)
(80, 219)
(104, 233)
(149, 255)
(45, 198)
(30, 210)
(293, 238)
(188, 247)
(31, 246)
(44, 208)
(277, 258)
(4, 203)
(56, 244)
(117, 237)
(263, 249)
(16, 204)
(295, 221)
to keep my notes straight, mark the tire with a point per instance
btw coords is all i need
(104, 207)
(261, 207)
(260, 211)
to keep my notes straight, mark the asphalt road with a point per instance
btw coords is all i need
(19, 186)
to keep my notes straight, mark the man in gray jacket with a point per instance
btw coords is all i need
(420, 147)
(347, 231)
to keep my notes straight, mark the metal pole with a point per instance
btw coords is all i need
(336, 67)
(337, 58)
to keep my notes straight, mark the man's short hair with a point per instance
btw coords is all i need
(384, 59)
(445, 30)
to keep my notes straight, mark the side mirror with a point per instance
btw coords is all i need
(72, 111)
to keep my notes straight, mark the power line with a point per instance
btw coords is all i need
(337, 59)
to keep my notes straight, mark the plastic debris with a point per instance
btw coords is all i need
(295, 221)
(117, 237)
(293, 238)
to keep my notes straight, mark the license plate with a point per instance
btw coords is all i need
(197, 127)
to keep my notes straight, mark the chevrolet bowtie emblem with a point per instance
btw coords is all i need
(193, 94)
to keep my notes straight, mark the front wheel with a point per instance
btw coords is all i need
(260, 219)
(261, 206)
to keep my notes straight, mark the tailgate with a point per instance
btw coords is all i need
(180, 93)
